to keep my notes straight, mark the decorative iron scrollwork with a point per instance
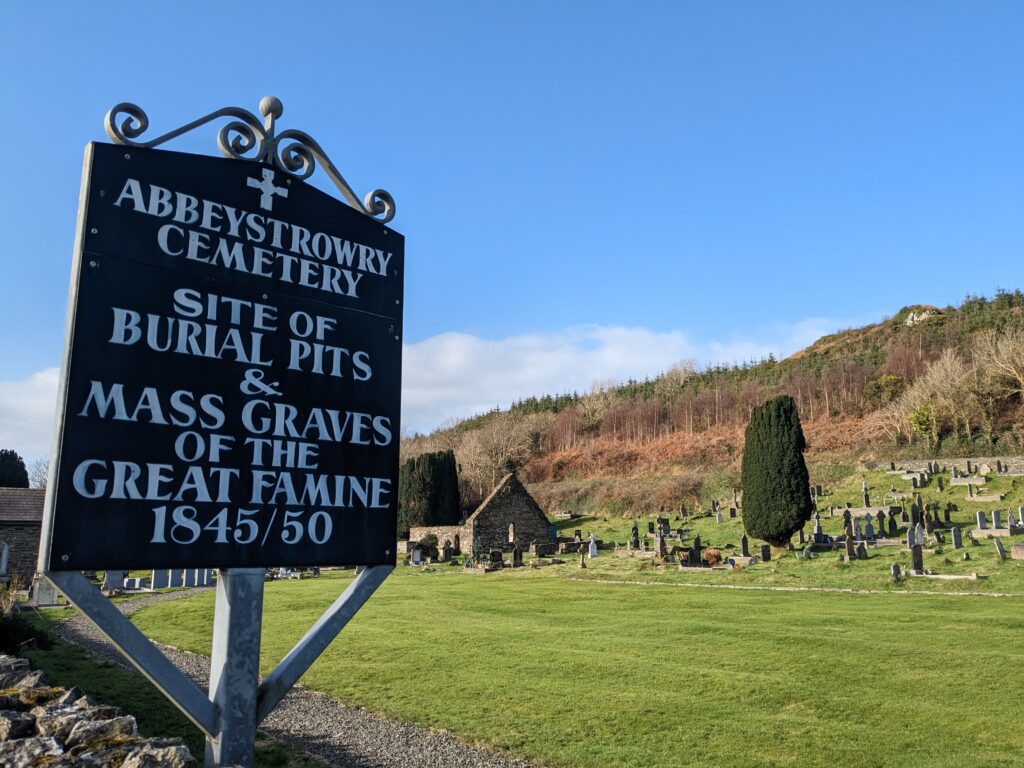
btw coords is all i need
(245, 137)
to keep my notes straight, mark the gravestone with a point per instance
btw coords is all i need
(982, 523)
(416, 558)
(857, 534)
(517, 555)
(904, 518)
(591, 548)
(894, 570)
(862, 551)
(999, 467)
(635, 536)
(917, 558)
(999, 550)
(659, 545)
(851, 547)
(114, 579)
(957, 536)
(913, 482)
(744, 546)
(766, 553)
(846, 518)
(732, 512)
(970, 491)
(915, 514)
(880, 516)
(911, 538)
(945, 514)
(577, 537)
(939, 484)
(719, 518)
(869, 531)
(969, 470)
(928, 525)
(997, 519)
(160, 579)
(650, 527)
(893, 528)
(43, 592)
(583, 559)
(497, 558)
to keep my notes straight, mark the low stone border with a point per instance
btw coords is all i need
(40, 725)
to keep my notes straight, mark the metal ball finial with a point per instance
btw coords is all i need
(272, 106)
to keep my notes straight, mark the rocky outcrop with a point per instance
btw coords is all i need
(44, 725)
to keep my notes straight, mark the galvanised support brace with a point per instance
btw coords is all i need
(145, 656)
(235, 665)
(308, 649)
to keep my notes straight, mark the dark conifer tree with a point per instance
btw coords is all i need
(776, 486)
(13, 473)
(428, 491)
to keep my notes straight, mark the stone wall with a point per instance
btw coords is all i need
(40, 725)
(23, 548)
(1015, 463)
(507, 518)
(444, 533)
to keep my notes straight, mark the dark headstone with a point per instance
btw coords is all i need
(893, 530)
(650, 527)
(766, 553)
(917, 558)
(894, 570)
(744, 546)
(732, 512)
(939, 484)
(862, 551)
(957, 536)
(999, 549)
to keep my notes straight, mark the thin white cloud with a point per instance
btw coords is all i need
(26, 413)
(456, 375)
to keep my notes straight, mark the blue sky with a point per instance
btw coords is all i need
(589, 190)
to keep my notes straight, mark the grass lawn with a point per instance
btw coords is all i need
(576, 673)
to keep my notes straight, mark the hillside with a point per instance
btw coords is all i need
(927, 382)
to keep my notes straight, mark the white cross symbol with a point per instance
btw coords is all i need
(266, 186)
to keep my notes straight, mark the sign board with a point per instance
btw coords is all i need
(231, 385)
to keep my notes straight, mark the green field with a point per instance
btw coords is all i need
(573, 672)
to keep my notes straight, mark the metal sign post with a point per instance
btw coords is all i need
(229, 394)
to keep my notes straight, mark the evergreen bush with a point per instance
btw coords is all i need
(776, 486)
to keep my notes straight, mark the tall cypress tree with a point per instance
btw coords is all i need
(428, 491)
(776, 486)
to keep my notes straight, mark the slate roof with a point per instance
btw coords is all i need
(21, 505)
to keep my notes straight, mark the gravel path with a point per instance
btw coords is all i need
(342, 736)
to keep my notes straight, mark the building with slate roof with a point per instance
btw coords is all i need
(21, 520)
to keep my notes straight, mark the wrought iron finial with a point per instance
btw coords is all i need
(246, 137)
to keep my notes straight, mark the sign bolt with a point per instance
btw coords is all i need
(92, 264)
(127, 156)
(94, 231)
(65, 558)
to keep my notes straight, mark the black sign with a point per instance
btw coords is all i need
(232, 380)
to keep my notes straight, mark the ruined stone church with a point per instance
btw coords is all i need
(507, 518)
